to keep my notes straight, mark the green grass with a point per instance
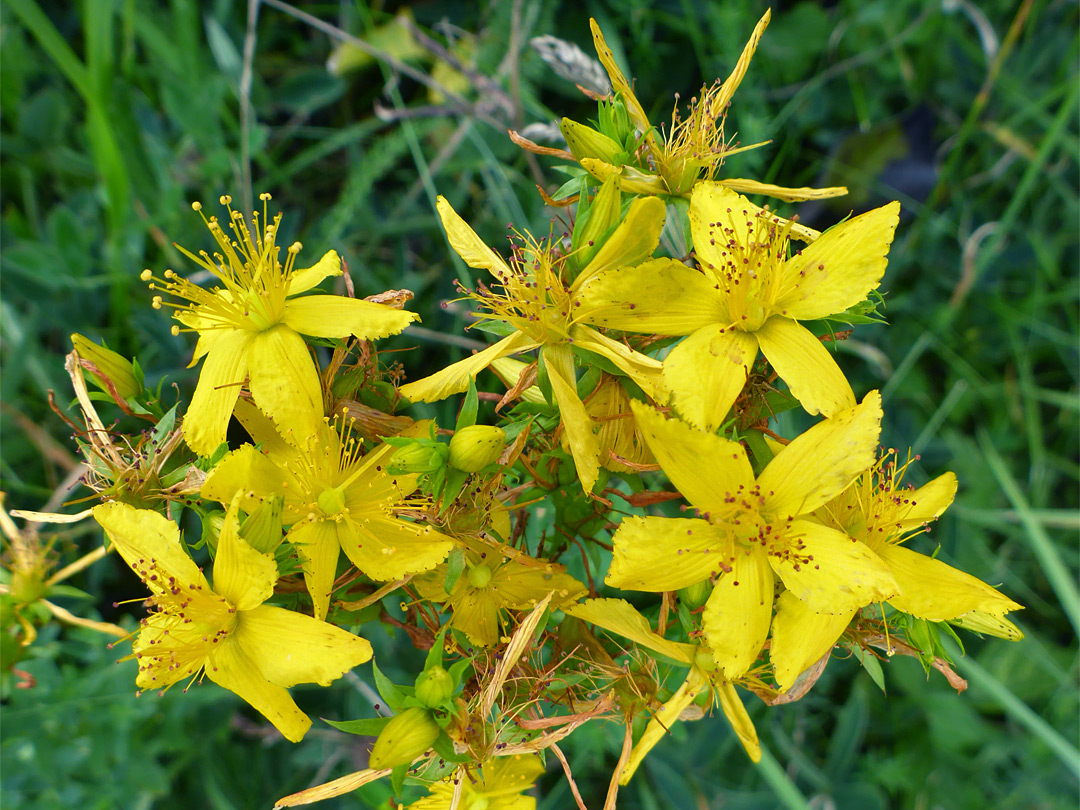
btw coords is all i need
(115, 115)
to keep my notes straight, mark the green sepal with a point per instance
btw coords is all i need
(872, 666)
(397, 777)
(469, 408)
(444, 747)
(365, 726)
(455, 565)
(391, 693)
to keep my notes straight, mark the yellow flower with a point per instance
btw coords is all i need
(752, 530)
(534, 297)
(617, 434)
(490, 584)
(748, 295)
(224, 631)
(498, 785)
(250, 328)
(335, 499)
(694, 148)
(880, 512)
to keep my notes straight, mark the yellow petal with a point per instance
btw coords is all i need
(840, 268)
(386, 548)
(731, 84)
(141, 535)
(247, 471)
(619, 83)
(821, 462)
(523, 587)
(229, 666)
(739, 718)
(261, 429)
(642, 369)
(719, 216)
(831, 572)
(576, 422)
(335, 316)
(805, 365)
(242, 575)
(704, 467)
(633, 241)
(660, 296)
(455, 378)
(664, 554)
(631, 180)
(696, 682)
(308, 277)
(467, 244)
(979, 621)
(291, 648)
(477, 616)
(223, 372)
(736, 617)
(927, 502)
(744, 186)
(620, 617)
(316, 542)
(284, 383)
(800, 637)
(705, 374)
(932, 590)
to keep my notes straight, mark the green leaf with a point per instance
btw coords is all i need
(467, 414)
(870, 663)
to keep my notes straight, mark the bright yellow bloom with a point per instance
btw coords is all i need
(534, 297)
(491, 584)
(250, 328)
(748, 295)
(498, 785)
(879, 511)
(749, 531)
(335, 499)
(694, 148)
(224, 631)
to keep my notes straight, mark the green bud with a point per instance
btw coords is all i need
(586, 142)
(694, 596)
(262, 529)
(434, 686)
(111, 367)
(473, 448)
(418, 457)
(407, 736)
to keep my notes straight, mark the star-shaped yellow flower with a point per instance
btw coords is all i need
(693, 148)
(498, 785)
(250, 328)
(880, 512)
(533, 296)
(753, 530)
(749, 294)
(335, 499)
(492, 583)
(224, 631)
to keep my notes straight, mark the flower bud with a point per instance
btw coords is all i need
(417, 458)
(586, 142)
(434, 686)
(694, 596)
(473, 448)
(407, 736)
(111, 367)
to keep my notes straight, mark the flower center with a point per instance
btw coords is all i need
(480, 576)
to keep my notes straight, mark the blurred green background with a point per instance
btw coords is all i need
(116, 114)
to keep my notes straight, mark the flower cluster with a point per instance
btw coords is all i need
(636, 450)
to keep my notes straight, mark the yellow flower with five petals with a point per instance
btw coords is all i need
(880, 512)
(224, 631)
(250, 328)
(748, 295)
(753, 530)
